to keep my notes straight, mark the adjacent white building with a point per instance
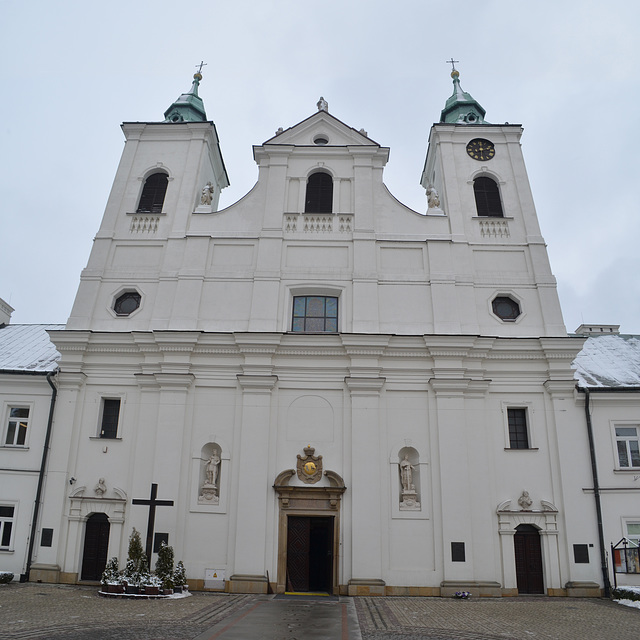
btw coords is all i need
(324, 389)
(28, 362)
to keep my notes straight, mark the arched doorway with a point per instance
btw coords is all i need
(96, 544)
(528, 553)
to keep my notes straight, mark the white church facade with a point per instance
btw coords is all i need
(318, 388)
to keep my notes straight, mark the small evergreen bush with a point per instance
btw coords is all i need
(180, 575)
(625, 594)
(164, 565)
(6, 577)
(111, 573)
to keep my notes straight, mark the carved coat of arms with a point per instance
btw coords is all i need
(309, 467)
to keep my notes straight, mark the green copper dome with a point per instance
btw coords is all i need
(188, 107)
(461, 108)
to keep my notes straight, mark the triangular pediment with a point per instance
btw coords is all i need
(322, 125)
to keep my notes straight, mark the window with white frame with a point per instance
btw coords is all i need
(518, 428)
(628, 446)
(17, 426)
(7, 513)
(110, 416)
(633, 531)
(315, 314)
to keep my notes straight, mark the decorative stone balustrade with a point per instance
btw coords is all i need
(318, 222)
(494, 228)
(144, 224)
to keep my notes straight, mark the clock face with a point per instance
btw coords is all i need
(480, 149)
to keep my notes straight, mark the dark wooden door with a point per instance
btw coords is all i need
(310, 554)
(96, 545)
(529, 576)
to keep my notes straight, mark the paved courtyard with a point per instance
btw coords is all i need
(78, 613)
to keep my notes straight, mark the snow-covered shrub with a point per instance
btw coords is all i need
(164, 565)
(111, 573)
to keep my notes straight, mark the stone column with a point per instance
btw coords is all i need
(249, 564)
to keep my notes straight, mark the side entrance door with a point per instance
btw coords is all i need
(529, 575)
(96, 545)
(309, 553)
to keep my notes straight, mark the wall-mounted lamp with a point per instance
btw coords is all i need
(72, 480)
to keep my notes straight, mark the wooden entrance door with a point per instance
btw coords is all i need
(529, 576)
(309, 553)
(96, 544)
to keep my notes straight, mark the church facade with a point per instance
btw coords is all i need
(318, 388)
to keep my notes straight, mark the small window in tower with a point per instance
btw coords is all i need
(319, 197)
(127, 303)
(153, 192)
(487, 195)
(507, 309)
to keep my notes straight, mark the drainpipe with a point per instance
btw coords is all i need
(596, 493)
(45, 451)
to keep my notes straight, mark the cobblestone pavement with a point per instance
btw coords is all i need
(75, 612)
(534, 618)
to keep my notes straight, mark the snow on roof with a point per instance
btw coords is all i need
(609, 361)
(27, 347)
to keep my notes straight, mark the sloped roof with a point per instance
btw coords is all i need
(609, 361)
(27, 348)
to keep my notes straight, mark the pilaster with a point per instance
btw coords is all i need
(249, 565)
(366, 517)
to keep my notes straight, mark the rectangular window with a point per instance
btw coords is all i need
(315, 314)
(110, 415)
(17, 426)
(581, 553)
(627, 442)
(457, 552)
(518, 430)
(6, 525)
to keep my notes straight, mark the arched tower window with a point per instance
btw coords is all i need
(153, 192)
(487, 194)
(319, 197)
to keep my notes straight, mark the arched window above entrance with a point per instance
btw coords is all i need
(319, 196)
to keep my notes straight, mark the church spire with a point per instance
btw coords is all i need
(189, 106)
(461, 108)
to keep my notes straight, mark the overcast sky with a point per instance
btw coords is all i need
(568, 70)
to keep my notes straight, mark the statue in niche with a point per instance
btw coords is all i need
(409, 494)
(525, 501)
(406, 473)
(433, 199)
(209, 490)
(207, 194)
(101, 488)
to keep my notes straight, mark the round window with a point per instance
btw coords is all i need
(127, 303)
(505, 308)
(321, 140)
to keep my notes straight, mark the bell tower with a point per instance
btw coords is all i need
(168, 170)
(477, 171)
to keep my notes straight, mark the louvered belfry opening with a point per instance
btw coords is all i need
(153, 192)
(487, 194)
(319, 197)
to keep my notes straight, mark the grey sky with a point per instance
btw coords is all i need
(567, 70)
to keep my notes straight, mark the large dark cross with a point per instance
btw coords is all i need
(204, 64)
(452, 62)
(152, 504)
